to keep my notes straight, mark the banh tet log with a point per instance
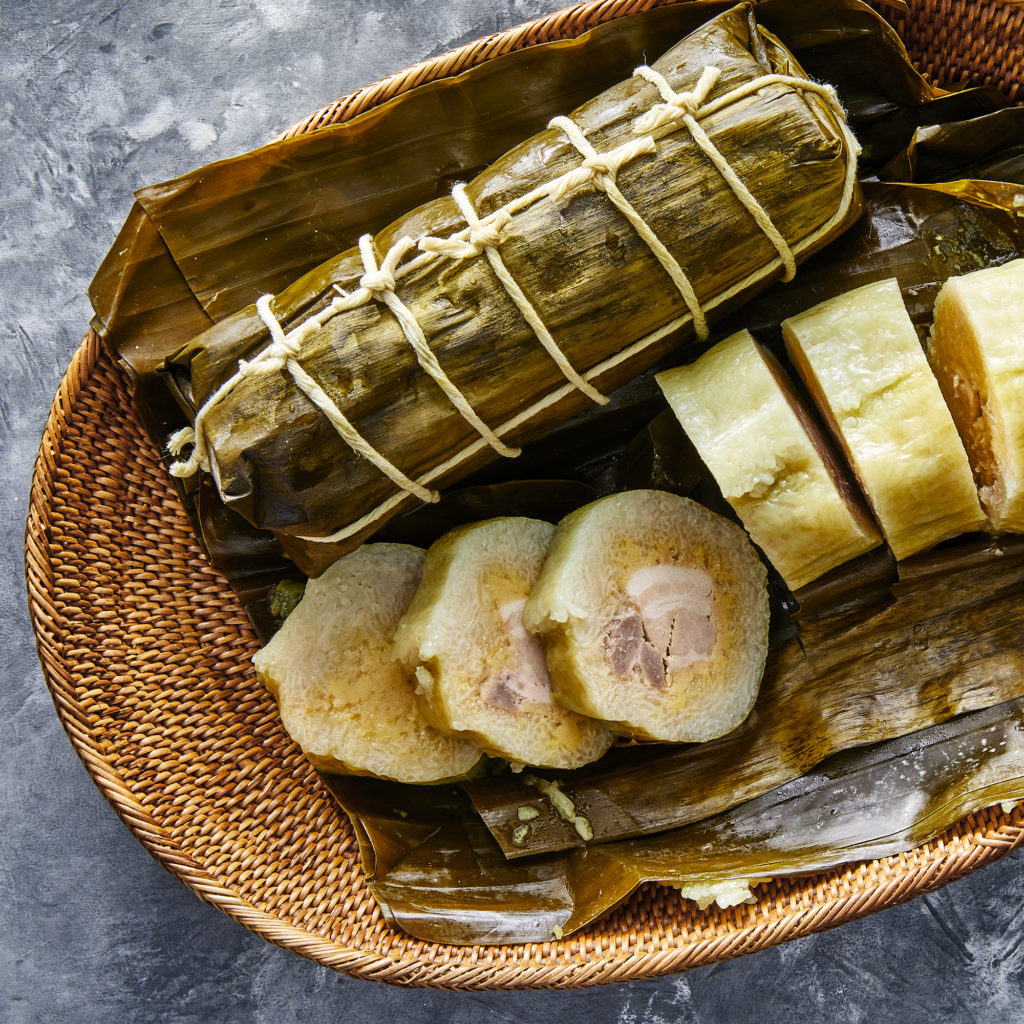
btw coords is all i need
(977, 351)
(653, 613)
(482, 319)
(769, 459)
(342, 698)
(478, 672)
(860, 359)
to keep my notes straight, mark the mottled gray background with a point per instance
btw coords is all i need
(98, 99)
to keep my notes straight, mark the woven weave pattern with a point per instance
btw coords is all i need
(978, 42)
(146, 652)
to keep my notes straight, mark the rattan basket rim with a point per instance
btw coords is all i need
(987, 835)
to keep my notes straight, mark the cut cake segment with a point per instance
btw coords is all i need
(977, 352)
(769, 459)
(859, 357)
(349, 707)
(480, 675)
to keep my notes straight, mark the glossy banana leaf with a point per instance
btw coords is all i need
(282, 463)
(919, 234)
(989, 147)
(243, 226)
(438, 874)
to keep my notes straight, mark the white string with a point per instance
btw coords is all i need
(376, 282)
(380, 283)
(316, 394)
(484, 233)
(484, 236)
(683, 106)
(601, 169)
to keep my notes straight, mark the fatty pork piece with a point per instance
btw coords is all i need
(653, 613)
(478, 671)
(342, 698)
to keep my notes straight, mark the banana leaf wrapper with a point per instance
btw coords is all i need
(244, 226)
(919, 234)
(990, 146)
(922, 235)
(205, 245)
(439, 875)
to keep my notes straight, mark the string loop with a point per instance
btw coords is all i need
(684, 107)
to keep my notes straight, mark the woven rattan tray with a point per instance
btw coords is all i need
(146, 652)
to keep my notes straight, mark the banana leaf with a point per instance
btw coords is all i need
(987, 147)
(439, 875)
(242, 226)
(921, 235)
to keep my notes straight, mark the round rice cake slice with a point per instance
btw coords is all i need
(653, 613)
(481, 674)
(345, 701)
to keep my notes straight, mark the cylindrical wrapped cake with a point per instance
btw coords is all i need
(480, 320)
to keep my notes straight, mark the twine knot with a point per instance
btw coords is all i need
(600, 168)
(176, 444)
(677, 106)
(600, 164)
(376, 282)
(283, 349)
(268, 361)
(484, 236)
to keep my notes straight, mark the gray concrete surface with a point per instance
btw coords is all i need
(96, 100)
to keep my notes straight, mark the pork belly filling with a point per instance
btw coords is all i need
(667, 626)
(524, 676)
